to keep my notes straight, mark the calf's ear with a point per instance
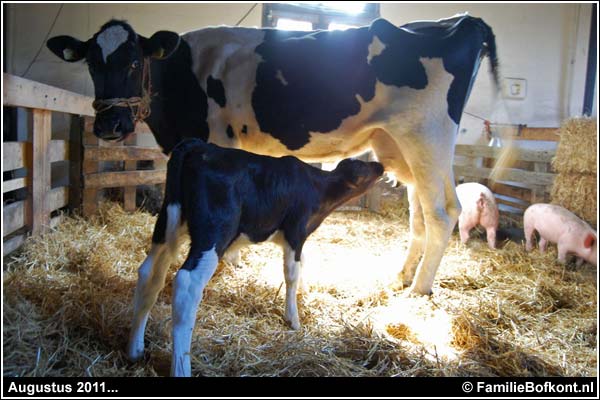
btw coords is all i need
(589, 241)
(67, 48)
(160, 45)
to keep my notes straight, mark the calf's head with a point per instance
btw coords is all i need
(119, 63)
(354, 177)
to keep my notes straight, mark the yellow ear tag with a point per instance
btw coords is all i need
(68, 54)
(159, 53)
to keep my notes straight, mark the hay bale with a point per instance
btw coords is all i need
(577, 193)
(577, 148)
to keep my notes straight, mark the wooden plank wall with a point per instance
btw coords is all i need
(529, 180)
(95, 180)
(33, 215)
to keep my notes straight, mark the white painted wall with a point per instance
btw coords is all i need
(546, 44)
(28, 25)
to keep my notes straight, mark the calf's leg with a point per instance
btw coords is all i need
(292, 272)
(151, 280)
(188, 288)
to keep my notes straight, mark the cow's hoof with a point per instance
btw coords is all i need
(417, 292)
(293, 323)
(402, 282)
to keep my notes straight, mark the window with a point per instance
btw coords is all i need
(324, 15)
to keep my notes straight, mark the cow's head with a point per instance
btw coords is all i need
(119, 63)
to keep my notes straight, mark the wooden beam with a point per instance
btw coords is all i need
(14, 217)
(14, 155)
(12, 244)
(40, 170)
(123, 178)
(14, 184)
(141, 128)
(129, 191)
(542, 156)
(531, 133)
(75, 162)
(127, 153)
(59, 150)
(512, 191)
(57, 198)
(508, 174)
(89, 196)
(21, 92)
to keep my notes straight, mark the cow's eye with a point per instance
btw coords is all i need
(135, 64)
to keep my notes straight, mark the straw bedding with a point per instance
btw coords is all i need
(67, 307)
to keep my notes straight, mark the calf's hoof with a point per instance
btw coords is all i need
(135, 352)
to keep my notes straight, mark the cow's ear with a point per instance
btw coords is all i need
(68, 48)
(161, 45)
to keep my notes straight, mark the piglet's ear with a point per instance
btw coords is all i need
(161, 45)
(589, 241)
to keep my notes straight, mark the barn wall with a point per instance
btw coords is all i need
(546, 44)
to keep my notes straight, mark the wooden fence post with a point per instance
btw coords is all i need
(129, 191)
(40, 169)
(537, 191)
(90, 196)
(75, 159)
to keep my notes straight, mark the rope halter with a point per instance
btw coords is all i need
(141, 103)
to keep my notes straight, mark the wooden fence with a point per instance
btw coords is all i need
(84, 152)
(529, 180)
(127, 177)
(33, 214)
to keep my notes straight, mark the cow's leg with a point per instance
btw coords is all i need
(188, 288)
(417, 237)
(151, 280)
(441, 209)
(388, 153)
(292, 272)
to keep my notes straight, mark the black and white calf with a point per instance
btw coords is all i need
(222, 197)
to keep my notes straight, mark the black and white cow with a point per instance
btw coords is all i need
(224, 198)
(320, 96)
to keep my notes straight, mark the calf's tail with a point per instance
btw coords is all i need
(173, 188)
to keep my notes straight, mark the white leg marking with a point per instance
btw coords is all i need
(188, 288)
(292, 270)
(110, 40)
(151, 280)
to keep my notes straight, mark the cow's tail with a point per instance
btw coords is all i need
(173, 188)
(489, 45)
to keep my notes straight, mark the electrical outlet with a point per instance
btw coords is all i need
(514, 88)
